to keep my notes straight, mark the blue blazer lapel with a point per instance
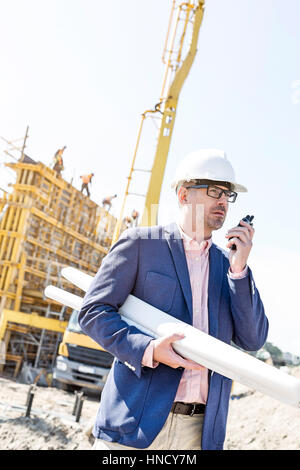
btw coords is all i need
(178, 254)
(214, 288)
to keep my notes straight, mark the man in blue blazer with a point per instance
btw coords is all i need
(142, 398)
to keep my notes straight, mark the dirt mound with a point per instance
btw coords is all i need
(40, 434)
(258, 422)
(51, 425)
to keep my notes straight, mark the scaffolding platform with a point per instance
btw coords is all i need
(45, 224)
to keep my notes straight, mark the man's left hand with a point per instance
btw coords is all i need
(242, 239)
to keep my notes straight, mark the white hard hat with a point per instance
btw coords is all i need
(208, 164)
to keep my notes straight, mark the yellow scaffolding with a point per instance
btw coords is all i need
(45, 225)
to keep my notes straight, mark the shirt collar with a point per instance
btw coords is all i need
(192, 244)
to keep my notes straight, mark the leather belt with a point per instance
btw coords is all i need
(188, 408)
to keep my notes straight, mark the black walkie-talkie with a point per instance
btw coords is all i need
(247, 219)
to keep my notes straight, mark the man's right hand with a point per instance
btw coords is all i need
(163, 352)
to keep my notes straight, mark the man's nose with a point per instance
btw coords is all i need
(223, 201)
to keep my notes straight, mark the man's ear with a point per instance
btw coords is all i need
(182, 195)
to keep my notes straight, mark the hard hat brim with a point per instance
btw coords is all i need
(239, 188)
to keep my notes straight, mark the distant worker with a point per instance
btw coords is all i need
(127, 221)
(58, 164)
(86, 180)
(107, 202)
(135, 216)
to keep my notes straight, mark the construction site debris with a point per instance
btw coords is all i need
(52, 424)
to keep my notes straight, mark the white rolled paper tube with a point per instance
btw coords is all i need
(63, 297)
(204, 349)
(215, 354)
(78, 278)
(75, 302)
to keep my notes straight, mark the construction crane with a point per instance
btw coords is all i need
(184, 15)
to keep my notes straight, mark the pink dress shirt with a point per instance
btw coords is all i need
(193, 386)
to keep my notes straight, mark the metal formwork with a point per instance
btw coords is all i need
(45, 224)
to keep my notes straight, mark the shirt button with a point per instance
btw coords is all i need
(197, 259)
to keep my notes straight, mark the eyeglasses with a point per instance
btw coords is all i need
(216, 192)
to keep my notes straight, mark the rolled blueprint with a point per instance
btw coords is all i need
(196, 345)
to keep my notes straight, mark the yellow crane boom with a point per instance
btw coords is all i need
(183, 16)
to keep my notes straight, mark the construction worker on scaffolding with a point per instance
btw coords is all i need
(58, 164)
(134, 216)
(86, 180)
(107, 202)
(127, 222)
(131, 221)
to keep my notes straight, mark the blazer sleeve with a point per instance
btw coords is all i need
(99, 317)
(250, 322)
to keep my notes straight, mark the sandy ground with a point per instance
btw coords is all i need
(258, 422)
(51, 425)
(255, 422)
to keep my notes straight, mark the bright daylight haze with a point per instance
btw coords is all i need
(81, 72)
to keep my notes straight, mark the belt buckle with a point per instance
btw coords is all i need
(193, 410)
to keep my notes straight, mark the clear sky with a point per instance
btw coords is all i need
(81, 72)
